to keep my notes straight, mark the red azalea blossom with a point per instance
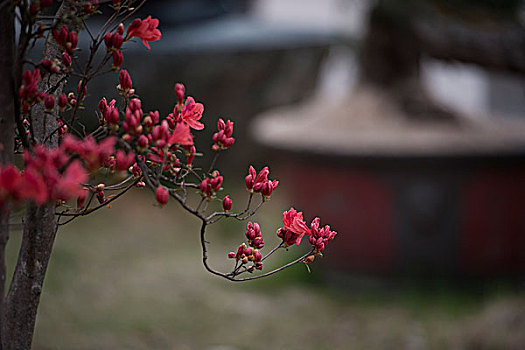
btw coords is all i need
(191, 113)
(145, 29)
(33, 187)
(181, 135)
(69, 185)
(294, 227)
(123, 160)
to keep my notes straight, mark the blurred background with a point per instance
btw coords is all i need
(400, 123)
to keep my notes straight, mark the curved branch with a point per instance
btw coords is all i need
(232, 278)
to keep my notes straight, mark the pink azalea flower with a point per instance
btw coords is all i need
(145, 29)
(181, 135)
(70, 184)
(294, 223)
(191, 113)
(33, 187)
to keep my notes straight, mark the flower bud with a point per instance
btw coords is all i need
(125, 80)
(103, 105)
(108, 41)
(118, 58)
(49, 103)
(179, 92)
(227, 203)
(62, 102)
(257, 256)
(248, 180)
(162, 194)
(120, 28)
(309, 259)
(100, 197)
(142, 143)
(116, 41)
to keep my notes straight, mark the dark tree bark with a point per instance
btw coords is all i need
(7, 132)
(40, 224)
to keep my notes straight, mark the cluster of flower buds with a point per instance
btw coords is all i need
(99, 193)
(29, 89)
(160, 134)
(110, 115)
(52, 66)
(151, 135)
(121, 161)
(48, 176)
(72, 99)
(162, 195)
(90, 7)
(135, 169)
(211, 185)
(222, 139)
(320, 236)
(114, 43)
(62, 128)
(92, 153)
(29, 94)
(133, 117)
(253, 235)
(295, 228)
(38, 5)
(246, 254)
(150, 120)
(163, 156)
(125, 86)
(259, 183)
(67, 40)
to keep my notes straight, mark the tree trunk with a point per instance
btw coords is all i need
(7, 133)
(40, 222)
(26, 286)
